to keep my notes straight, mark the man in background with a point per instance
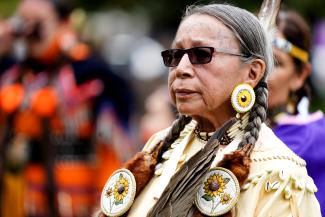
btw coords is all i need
(58, 101)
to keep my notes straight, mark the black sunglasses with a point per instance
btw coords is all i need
(197, 55)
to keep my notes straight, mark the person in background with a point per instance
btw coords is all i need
(218, 158)
(159, 113)
(289, 99)
(6, 58)
(64, 114)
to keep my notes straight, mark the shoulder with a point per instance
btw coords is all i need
(159, 136)
(278, 183)
(155, 139)
(272, 158)
(270, 151)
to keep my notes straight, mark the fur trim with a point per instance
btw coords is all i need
(142, 166)
(237, 162)
(197, 213)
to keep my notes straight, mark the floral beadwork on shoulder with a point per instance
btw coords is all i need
(118, 193)
(219, 192)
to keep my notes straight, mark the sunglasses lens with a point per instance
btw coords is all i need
(200, 55)
(197, 55)
(172, 57)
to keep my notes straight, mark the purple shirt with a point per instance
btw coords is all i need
(306, 137)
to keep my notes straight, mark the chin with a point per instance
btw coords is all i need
(186, 111)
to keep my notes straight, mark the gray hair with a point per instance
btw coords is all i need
(255, 43)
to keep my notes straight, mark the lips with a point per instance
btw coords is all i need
(184, 93)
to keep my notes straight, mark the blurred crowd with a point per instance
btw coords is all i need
(79, 95)
(72, 89)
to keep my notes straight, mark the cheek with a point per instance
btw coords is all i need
(215, 94)
(171, 79)
(280, 79)
(279, 82)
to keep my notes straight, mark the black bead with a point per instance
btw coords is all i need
(243, 98)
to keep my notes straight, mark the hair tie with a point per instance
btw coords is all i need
(262, 84)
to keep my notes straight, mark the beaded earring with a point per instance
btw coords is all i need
(242, 98)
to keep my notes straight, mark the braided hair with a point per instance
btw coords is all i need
(257, 116)
(254, 44)
(177, 127)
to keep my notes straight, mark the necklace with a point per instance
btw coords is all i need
(205, 136)
(235, 131)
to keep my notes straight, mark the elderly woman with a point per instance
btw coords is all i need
(302, 131)
(218, 158)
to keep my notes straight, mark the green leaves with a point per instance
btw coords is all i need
(118, 202)
(207, 197)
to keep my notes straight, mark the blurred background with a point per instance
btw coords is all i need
(128, 37)
(125, 32)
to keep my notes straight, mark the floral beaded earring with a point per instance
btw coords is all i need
(242, 98)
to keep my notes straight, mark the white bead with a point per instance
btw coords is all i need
(268, 186)
(255, 180)
(182, 159)
(166, 154)
(275, 185)
(159, 171)
(283, 175)
(287, 192)
(246, 186)
(174, 145)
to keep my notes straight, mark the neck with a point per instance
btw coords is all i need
(212, 122)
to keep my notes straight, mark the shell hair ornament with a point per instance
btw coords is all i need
(243, 98)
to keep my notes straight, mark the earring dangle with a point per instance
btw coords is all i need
(243, 98)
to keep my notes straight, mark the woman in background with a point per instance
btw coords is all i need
(289, 98)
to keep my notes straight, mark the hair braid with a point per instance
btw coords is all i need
(174, 133)
(256, 117)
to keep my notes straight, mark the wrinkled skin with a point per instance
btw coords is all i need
(203, 91)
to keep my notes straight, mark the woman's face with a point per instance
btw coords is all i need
(203, 91)
(280, 79)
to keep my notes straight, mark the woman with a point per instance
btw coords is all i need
(219, 53)
(289, 97)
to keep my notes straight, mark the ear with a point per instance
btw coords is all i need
(300, 78)
(256, 72)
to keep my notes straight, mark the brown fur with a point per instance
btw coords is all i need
(237, 162)
(142, 166)
(197, 214)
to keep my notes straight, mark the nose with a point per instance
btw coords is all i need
(185, 67)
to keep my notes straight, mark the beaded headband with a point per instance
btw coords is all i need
(287, 47)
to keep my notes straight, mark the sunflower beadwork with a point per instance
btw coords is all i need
(243, 98)
(215, 185)
(118, 193)
(219, 192)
